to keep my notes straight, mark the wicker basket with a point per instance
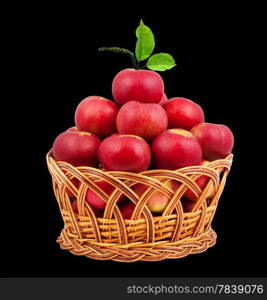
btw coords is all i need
(173, 234)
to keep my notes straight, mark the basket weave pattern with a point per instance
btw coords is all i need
(173, 234)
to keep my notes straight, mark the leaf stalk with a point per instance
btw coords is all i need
(121, 50)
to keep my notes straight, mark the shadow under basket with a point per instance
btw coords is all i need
(175, 233)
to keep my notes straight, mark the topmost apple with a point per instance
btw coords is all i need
(137, 85)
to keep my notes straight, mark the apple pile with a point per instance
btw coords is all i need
(135, 135)
(140, 130)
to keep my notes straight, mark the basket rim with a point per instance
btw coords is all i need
(228, 158)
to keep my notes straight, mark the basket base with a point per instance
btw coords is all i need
(138, 251)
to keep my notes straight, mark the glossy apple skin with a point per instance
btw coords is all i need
(176, 148)
(137, 85)
(216, 140)
(96, 115)
(77, 148)
(124, 153)
(158, 201)
(183, 113)
(146, 120)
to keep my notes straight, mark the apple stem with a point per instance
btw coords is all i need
(121, 50)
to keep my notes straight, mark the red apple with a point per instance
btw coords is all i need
(71, 129)
(216, 140)
(201, 182)
(75, 182)
(137, 85)
(124, 153)
(75, 206)
(158, 201)
(176, 148)
(146, 120)
(187, 205)
(127, 209)
(163, 100)
(98, 213)
(96, 115)
(77, 148)
(96, 201)
(183, 113)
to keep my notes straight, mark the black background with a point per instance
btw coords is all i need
(53, 64)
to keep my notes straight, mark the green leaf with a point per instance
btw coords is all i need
(160, 62)
(145, 42)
